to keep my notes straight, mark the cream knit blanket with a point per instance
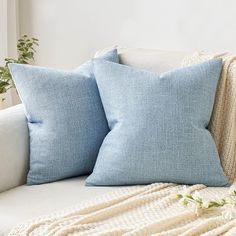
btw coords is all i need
(139, 211)
(154, 209)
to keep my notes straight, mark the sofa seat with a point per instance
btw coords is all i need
(26, 202)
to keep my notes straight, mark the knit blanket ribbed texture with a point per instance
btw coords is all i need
(154, 209)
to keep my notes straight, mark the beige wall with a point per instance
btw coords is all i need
(70, 31)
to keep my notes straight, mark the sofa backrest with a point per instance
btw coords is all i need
(158, 61)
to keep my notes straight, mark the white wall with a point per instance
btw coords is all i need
(9, 20)
(70, 31)
(8, 38)
(3, 30)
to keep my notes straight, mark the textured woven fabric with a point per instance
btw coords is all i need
(65, 117)
(135, 211)
(158, 126)
(223, 120)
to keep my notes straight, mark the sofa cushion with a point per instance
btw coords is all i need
(65, 117)
(158, 126)
(25, 202)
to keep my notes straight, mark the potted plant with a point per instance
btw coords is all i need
(25, 50)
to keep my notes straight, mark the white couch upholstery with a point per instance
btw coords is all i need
(14, 147)
(19, 202)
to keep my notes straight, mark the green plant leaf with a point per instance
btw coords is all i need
(26, 50)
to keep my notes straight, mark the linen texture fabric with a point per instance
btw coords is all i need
(158, 126)
(65, 117)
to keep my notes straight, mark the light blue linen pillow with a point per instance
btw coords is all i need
(65, 117)
(158, 126)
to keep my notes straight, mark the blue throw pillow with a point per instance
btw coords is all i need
(158, 126)
(65, 117)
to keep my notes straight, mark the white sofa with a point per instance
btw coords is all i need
(19, 202)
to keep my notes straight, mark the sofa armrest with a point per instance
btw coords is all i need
(14, 147)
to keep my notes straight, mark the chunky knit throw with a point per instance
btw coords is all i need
(149, 210)
(154, 209)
